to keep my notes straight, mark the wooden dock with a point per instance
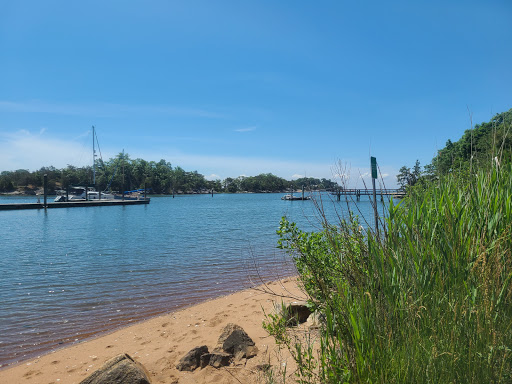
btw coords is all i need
(71, 204)
(395, 193)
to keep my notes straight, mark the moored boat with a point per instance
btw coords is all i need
(82, 194)
(293, 198)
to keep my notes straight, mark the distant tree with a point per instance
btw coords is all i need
(403, 177)
(416, 172)
(406, 177)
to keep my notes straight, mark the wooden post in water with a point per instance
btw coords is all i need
(212, 192)
(45, 189)
(123, 177)
(373, 162)
(67, 193)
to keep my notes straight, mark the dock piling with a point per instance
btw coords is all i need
(45, 189)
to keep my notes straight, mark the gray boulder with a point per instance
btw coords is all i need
(236, 342)
(121, 369)
(192, 359)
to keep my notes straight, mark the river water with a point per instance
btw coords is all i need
(69, 274)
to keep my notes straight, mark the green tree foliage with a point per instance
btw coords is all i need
(315, 184)
(406, 177)
(485, 144)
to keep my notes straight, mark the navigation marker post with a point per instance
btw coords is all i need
(373, 162)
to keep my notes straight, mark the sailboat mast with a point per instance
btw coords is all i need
(93, 158)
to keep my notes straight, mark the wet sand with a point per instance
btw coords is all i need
(159, 343)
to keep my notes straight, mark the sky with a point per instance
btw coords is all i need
(230, 88)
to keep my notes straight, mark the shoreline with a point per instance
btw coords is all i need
(87, 333)
(159, 342)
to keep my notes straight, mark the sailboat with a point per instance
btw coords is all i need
(86, 193)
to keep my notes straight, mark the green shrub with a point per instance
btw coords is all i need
(429, 301)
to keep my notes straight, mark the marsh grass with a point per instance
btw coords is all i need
(429, 301)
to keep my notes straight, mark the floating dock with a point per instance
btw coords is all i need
(71, 204)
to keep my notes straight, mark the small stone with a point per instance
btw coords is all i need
(263, 367)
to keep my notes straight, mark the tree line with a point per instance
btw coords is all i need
(124, 174)
(485, 145)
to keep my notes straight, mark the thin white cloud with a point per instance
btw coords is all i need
(248, 129)
(25, 150)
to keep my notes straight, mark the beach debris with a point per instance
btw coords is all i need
(121, 369)
(192, 359)
(236, 342)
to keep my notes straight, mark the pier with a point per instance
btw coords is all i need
(71, 204)
(395, 193)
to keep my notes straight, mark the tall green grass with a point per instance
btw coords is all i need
(429, 301)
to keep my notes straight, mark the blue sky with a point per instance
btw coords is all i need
(233, 88)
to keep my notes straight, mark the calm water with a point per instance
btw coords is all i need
(68, 274)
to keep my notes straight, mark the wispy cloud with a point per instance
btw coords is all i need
(26, 150)
(104, 109)
(248, 129)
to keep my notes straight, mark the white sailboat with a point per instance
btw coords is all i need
(86, 193)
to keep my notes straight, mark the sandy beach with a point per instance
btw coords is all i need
(159, 343)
